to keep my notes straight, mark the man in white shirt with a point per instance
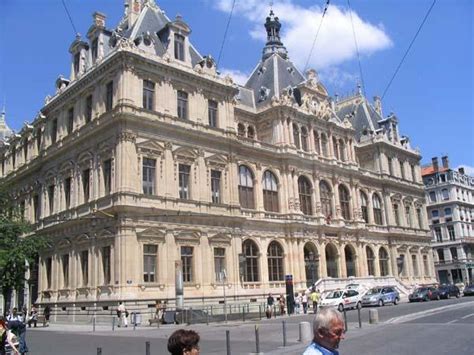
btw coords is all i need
(122, 315)
(14, 316)
(328, 331)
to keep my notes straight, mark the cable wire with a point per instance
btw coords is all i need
(225, 34)
(316, 36)
(357, 49)
(70, 19)
(408, 49)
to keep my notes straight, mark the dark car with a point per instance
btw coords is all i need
(447, 291)
(424, 294)
(469, 290)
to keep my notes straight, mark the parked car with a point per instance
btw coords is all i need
(447, 291)
(424, 294)
(379, 296)
(469, 290)
(342, 299)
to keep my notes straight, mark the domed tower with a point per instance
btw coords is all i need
(5, 131)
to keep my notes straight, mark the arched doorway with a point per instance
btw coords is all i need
(331, 261)
(350, 261)
(311, 263)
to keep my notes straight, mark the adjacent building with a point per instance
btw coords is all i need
(450, 196)
(147, 161)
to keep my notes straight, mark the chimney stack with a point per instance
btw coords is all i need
(445, 162)
(461, 170)
(434, 163)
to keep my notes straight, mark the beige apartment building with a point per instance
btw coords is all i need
(147, 160)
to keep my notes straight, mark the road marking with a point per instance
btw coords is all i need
(413, 316)
(469, 315)
(451, 322)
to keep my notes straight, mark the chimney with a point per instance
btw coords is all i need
(434, 163)
(445, 162)
(99, 19)
(461, 170)
(378, 105)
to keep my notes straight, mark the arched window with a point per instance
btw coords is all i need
(370, 261)
(350, 261)
(342, 150)
(317, 146)
(270, 192)
(331, 261)
(344, 198)
(296, 136)
(335, 147)
(251, 132)
(414, 261)
(364, 206)
(311, 263)
(275, 262)
(251, 253)
(383, 262)
(304, 190)
(304, 139)
(377, 207)
(325, 194)
(241, 130)
(324, 145)
(246, 187)
(426, 268)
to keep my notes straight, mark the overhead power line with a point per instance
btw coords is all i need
(316, 36)
(357, 49)
(408, 49)
(70, 19)
(225, 33)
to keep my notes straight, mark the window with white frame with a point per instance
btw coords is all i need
(150, 257)
(148, 176)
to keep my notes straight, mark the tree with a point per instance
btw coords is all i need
(17, 245)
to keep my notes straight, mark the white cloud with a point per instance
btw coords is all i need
(337, 78)
(469, 170)
(238, 76)
(335, 42)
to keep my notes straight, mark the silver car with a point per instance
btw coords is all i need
(379, 296)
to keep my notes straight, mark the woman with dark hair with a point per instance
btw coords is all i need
(183, 342)
(7, 337)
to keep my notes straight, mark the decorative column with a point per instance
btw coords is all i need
(126, 162)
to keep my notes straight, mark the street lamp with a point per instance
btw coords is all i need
(311, 262)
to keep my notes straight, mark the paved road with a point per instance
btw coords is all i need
(436, 327)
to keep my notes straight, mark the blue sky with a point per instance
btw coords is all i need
(432, 94)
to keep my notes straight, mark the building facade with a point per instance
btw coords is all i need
(450, 196)
(147, 161)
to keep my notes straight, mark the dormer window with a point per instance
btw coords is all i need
(77, 61)
(179, 47)
(54, 130)
(95, 49)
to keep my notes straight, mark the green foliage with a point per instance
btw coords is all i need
(15, 247)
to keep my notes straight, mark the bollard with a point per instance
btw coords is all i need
(274, 312)
(190, 316)
(257, 340)
(99, 351)
(305, 332)
(260, 311)
(227, 341)
(373, 316)
(207, 317)
(284, 333)
(243, 314)
(147, 348)
(345, 319)
(358, 314)
(93, 326)
(113, 323)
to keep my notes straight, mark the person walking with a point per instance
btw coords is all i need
(315, 300)
(328, 331)
(46, 314)
(122, 315)
(33, 316)
(7, 339)
(281, 302)
(270, 303)
(298, 302)
(305, 302)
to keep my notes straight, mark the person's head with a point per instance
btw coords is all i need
(328, 328)
(3, 324)
(269, 295)
(183, 342)
(14, 311)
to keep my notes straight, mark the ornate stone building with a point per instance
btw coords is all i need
(146, 159)
(450, 196)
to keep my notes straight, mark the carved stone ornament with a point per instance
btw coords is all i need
(312, 78)
(127, 137)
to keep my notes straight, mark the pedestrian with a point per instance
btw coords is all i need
(14, 316)
(281, 302)
(304, 301)
(270, 303)
(184, 342)
(7, 339)
(328, 331)
(122, 315)
(19, 329)
(298, 302)
(46, 314)
(33, 316)
(315, 300)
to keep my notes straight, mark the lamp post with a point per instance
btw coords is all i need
(311, 262)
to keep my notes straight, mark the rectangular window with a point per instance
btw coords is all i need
(433, 196)
(25, 150)
(219, 264)
(88, 109)
(65, 262)
(86, 184)
(179, 47)
(184, 171)
(402, 171)
(51, 198)
(38, 140)
(183, 105)
(420, 217)
(390, 166)
(70, 120)
(150, 254)
(452, 234)
(13, 157)
(94, 49)
(77, 61)
(85, 267)
(148, 95)
(187, 263)
(445, 194)
(438, 235)
(107, 169)
(396, 214)
(54, 130)
(67, 191)
(149, 171)
(413, 173)
(212, 112)
(106, 264)
(408, 216)
(434, 213)
(216, 186)
(109, 96)
(36, 207)
(414, 261)
(48, 266)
